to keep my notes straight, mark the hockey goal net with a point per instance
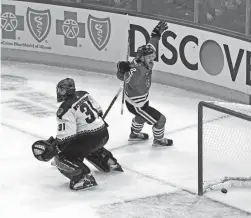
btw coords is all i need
(224, 146)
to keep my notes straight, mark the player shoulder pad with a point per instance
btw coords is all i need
(80, 94)
(138, 65)
(64, 107)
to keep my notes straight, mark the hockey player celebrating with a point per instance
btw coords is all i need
(137, 79)
(81, 133)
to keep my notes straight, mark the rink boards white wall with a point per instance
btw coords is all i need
(63, 31)
(189, 58)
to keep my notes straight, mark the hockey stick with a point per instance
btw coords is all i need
(127, 57)
(123, 98)
(112, 102)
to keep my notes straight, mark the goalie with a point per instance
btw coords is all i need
(137, 77)
(81, 133)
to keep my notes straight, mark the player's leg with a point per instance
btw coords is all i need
(158, 128)
(101, 158)
(158, 120)
(87, 143)
(70, 162)
(74, 169)
(137, 125)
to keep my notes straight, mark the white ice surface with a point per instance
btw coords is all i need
(32, 188)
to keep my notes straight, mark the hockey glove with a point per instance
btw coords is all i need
(123, 66)
(159, 29)
(45, 150)
(100, 113)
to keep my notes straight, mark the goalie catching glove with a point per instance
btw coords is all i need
(45, 150)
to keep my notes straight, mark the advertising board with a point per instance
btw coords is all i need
(197, 54)
(63, 30)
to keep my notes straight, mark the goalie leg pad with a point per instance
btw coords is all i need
(72, 169)
(103, 160)
(99, 160)
(78, 173)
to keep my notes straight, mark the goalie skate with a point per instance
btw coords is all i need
(138, 137)
(162, 143)
(53, 163)
(85, 183)
(116, 167)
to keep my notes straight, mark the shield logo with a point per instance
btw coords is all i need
(39, 23)
(99, 31)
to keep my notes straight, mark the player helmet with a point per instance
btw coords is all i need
(65, 89)
(144, 50)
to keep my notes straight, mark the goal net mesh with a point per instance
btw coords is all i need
(226, 146)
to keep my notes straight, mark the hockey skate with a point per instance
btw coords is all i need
(162, 143)
(85, 183)
(138, 137)
(53, 163)
(116, 167)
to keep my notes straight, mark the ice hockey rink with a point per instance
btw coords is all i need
(155, 183)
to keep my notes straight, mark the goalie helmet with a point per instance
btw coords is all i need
(144, 50)
(65, 89)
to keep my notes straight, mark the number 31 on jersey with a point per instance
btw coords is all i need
(61, 127)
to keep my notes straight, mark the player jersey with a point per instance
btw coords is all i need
(138, 80)
(78, 115)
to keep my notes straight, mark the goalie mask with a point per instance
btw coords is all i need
(45, 150)
(65, 89)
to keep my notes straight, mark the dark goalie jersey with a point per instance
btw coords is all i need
(138, 80)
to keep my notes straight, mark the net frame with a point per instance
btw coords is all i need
(231, 181)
